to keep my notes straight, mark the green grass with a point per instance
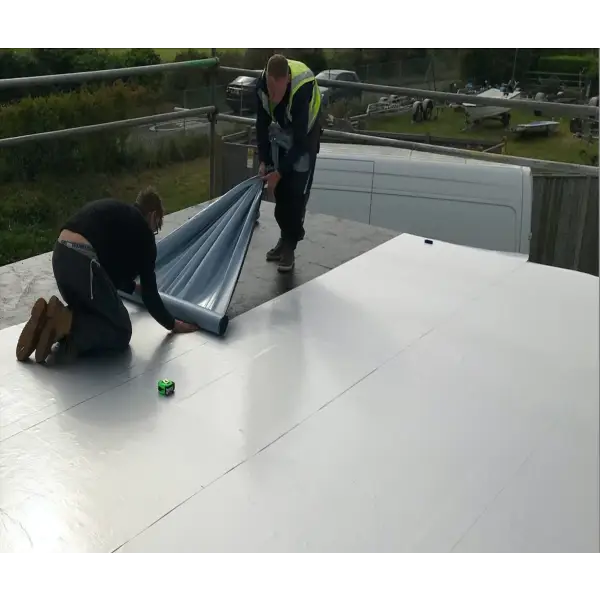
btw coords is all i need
(561, 146)
(32, 213)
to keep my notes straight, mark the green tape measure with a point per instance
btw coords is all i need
(166, 387)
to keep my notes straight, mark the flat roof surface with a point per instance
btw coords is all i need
(329, 242)
(416, 398)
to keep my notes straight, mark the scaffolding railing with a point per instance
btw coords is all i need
(532, 163)
(213, 114)
(555, 108)
(105, 74)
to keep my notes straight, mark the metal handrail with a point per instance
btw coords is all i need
(461, 152)
(84, 76)
(554, 108)
(212, 111)
(110, 126)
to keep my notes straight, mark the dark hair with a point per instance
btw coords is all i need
(278, 67)
(149, 201)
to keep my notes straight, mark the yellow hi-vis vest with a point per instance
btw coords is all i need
(300, 75)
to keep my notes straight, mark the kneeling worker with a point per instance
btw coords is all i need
(103, 247)
(288, 129)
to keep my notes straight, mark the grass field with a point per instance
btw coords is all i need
(33, 212)
(562, 146)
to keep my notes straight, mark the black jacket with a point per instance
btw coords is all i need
(126, 249)
(303, 141)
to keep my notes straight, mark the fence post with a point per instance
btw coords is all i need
(432, 67)
(213, 127)
(582, 221)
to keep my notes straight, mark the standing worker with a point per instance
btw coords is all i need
(102, 248)
(288, 128)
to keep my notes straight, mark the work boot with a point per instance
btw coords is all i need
(287, 259)
(30, 336)
(274, 254)
(58, 325)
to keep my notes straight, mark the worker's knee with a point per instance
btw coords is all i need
(124, 337)
(127, 335)
(123, 342)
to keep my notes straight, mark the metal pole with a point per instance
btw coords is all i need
(213, 127)
(432, 53)
(495, 158)
(99, 127)
(554, 108)
(514, 66)
(82, 77)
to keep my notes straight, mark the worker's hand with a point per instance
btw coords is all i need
(182, 327)
(272, 179)
(138, 289)
(262, 169)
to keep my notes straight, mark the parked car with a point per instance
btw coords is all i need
(241, 94)
(333, 94)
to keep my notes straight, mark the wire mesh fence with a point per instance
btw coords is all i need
(42, 183)
(237, 96)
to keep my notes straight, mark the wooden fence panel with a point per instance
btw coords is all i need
(564, 222)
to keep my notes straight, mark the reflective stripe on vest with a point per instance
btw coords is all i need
(300, 75)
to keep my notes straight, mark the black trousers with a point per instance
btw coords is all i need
(291, 197)
(100, 320)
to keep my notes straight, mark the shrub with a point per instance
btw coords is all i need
(350, 58)
(101, 151)
(256, 58)
(568, 64)
(140, 57)
(496, 64)
(315, 59)
(49, 61)
(176, 82)
(16, 64)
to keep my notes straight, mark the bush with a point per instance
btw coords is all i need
(567, 64)
(315, 59)
(256, 58)
(166, 151)
(176, 82)
(49, 61)
(141, 57)
(16, 64)
(346, 59)
(101, 151)
(495, 65)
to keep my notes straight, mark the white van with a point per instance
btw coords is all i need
(463, 201)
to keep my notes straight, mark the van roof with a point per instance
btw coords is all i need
(370, 152)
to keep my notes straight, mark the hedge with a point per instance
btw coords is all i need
(47, 61)
(99, 152)
(568, 64)
(496, 65)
